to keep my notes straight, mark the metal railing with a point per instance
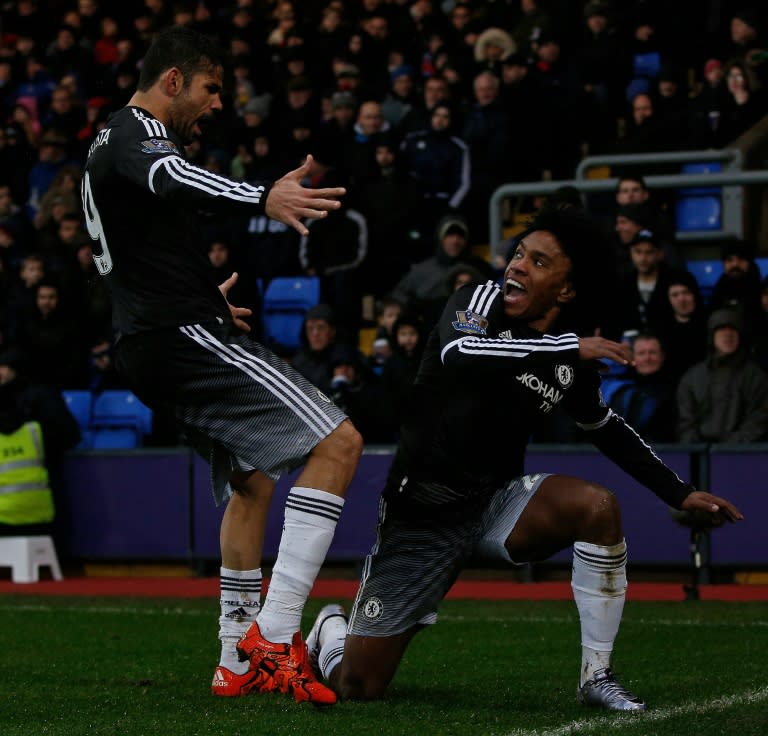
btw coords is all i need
(664, 181)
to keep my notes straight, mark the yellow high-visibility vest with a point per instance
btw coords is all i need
(25, 493)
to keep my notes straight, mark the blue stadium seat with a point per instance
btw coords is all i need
(80, 404)
(646, 65)
(699, 208)
(762, 264)
(694, 213)
(610, 385)
(120, 409)
(286, 301)
(701, 167)
(706, 272)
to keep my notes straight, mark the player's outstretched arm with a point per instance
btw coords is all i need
(288, 201)
(713, 509)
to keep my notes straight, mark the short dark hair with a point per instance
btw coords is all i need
(626, 176)
(192, 52)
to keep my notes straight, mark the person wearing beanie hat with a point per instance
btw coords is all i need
(739, 283)
(724, 398)
(424, 289)
(685, 333)
(401, 95)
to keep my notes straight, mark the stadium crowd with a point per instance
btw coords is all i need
(421, 109)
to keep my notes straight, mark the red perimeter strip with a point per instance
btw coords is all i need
(346, 589)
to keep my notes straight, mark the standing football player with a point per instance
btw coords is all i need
(183, 350)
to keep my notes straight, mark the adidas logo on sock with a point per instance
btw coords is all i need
(238, 614)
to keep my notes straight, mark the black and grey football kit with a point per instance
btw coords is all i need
(241, 407)
(456, 486)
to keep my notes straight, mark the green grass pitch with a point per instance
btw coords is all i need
(141, 667)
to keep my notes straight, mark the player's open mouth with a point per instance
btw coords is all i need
(513, 291)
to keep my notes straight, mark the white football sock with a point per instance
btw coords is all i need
(332, 637)
(599, 583)
(240, 593)
(310, 521)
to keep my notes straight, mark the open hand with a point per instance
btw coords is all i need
(595, 348)
(706, 510)
(288, 201)
(238, 313)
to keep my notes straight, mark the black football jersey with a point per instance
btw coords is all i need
(486, 383)
(142, 200)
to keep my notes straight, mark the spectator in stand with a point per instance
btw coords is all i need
(52, 340)
(401, 96)
(486, 132)
(435, 89)
(335, 249)
(424, 289)
(102, 374)
(724, 398)
(707, 109)
(22, 292)
(388, 309)
(36, 423)
(645, 132)
(745, 103)
(739, 284)
(358, 159)
(534, 23)
(52, 156)
(336, 132)
(647, 401)
(399, 372)
(65, 185)
(440, 164)
(558, 83)
(18, 234)
(602, 66)
(644, 304)
(362, 396)
(672, 106)
(318, 337)
(685, 333)
(519, 91)
(745, 33)
(63, 114)
(462, 274)
(15, 154)
(633, 218)
(492, 46)
(390, 200)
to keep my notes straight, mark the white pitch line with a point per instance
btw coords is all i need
(444, 618)
(628, 721)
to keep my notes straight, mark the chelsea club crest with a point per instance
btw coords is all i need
(564, 375)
